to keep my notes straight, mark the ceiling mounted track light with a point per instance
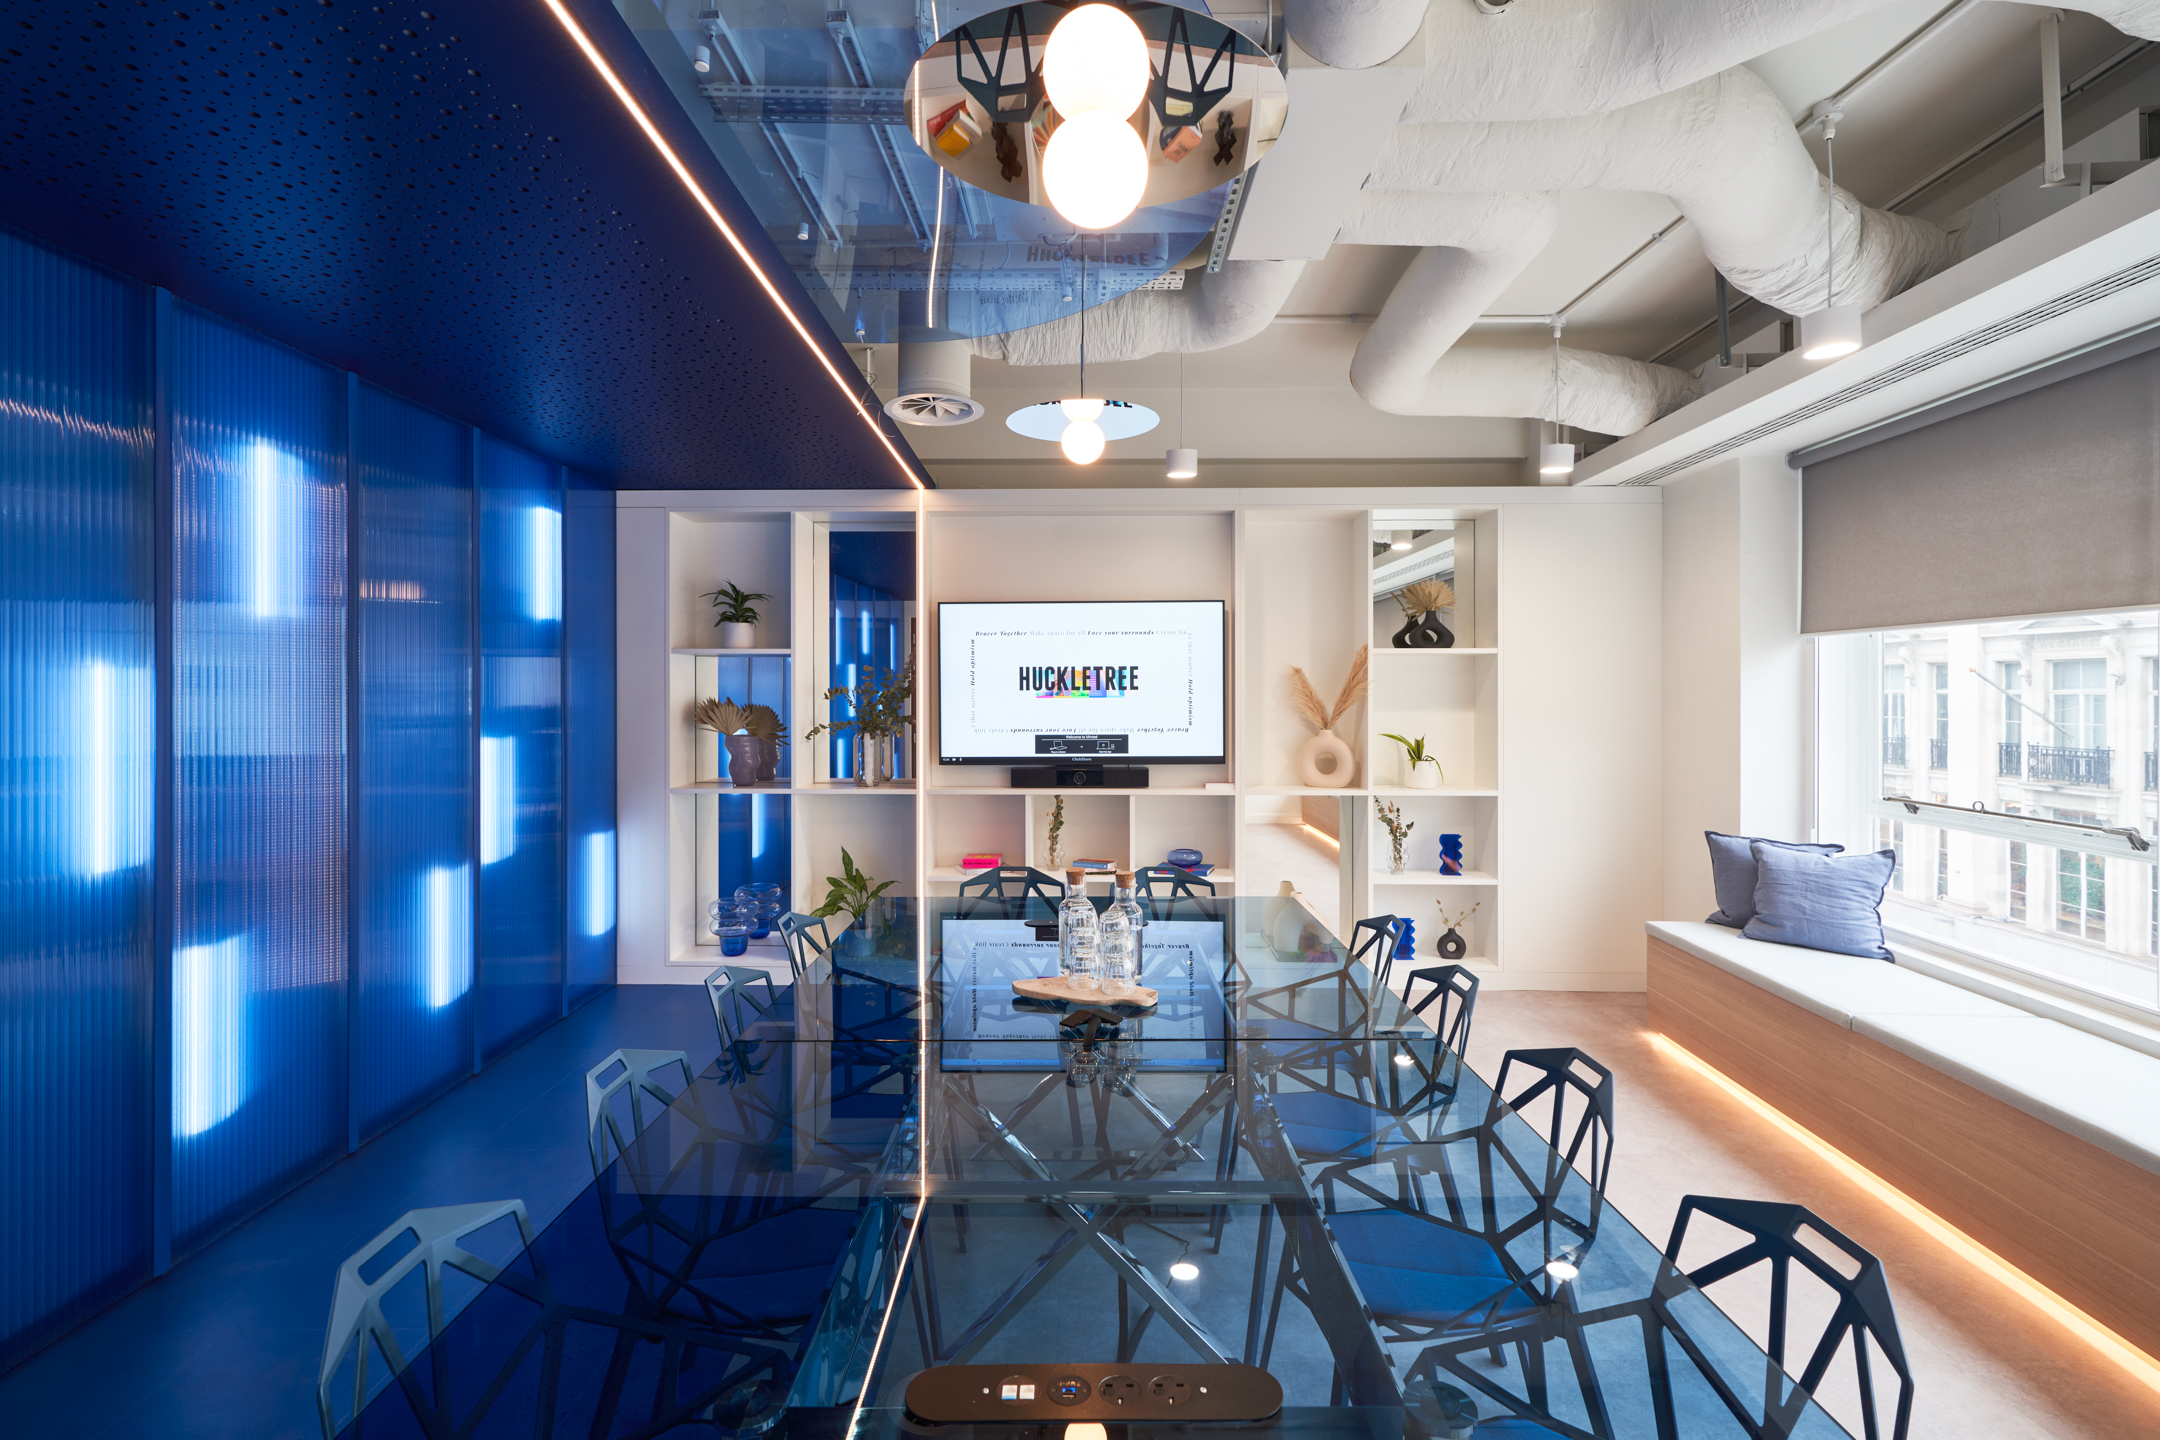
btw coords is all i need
(1095, 111)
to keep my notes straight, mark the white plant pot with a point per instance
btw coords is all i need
(1425, 776)
(1326, 745)
(735, 636)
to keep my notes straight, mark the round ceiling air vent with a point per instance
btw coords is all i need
(935, 376)
(930, 407)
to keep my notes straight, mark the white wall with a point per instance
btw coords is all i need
(1581, 868)
(1735, 669)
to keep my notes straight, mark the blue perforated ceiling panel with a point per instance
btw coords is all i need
(448, 202)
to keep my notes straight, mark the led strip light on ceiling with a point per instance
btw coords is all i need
(2134, 1361)
(704, 202)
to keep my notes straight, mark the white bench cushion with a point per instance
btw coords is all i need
(2104, 1093)
(1836, 987)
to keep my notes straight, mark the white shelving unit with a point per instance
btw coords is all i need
(1296, 571)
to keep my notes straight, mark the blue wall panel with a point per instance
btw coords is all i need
(521, 756)
(258, 926)
(589, 798)
(77, 751)
(412, 864)
(205, 998)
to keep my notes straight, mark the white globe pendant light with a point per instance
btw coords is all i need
(1096, 60)
(1085, 409)
(1082, 442)
(1095, 169)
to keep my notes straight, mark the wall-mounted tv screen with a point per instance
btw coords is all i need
(1060, 682)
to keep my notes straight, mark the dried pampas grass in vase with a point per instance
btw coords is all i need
(1421, 602)
(1340, 767)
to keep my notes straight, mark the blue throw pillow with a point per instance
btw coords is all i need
(1732, 872)
(1825, 902)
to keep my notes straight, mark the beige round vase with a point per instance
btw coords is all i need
(1325, 763)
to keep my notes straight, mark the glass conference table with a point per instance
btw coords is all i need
(895, 1164)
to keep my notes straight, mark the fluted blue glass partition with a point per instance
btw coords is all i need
(258, 625)
(413, 757)
(271, 874)
(77, 755)
(521, 731)
(589, 722)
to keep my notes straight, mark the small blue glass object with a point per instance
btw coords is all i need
(1406, 947)
(747, 900)
(731, 925)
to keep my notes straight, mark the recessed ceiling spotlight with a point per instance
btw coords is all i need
(1184, 1270)
(1562, 1269)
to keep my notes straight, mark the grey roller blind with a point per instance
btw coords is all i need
(2044, 502)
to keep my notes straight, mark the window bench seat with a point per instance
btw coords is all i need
(2039, 1140)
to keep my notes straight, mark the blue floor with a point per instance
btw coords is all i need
(228, 1344)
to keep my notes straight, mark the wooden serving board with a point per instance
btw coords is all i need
(1060, 991)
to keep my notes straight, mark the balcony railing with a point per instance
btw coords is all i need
(2010, 759)
(2152, 769)
(1938, 754)
(2065, 766)
(1893, 751)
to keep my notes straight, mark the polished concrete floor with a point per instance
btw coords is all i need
(1987, 1366)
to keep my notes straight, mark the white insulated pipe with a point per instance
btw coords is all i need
(1725, 152)
(1545, 59)
(1212, 311)
(1476, 245)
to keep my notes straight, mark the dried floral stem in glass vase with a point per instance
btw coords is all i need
(1398, 831)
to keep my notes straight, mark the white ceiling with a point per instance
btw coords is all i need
(1279, 408)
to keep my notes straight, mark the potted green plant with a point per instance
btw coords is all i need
(1415, 753)
(738, 615)
(851, 890)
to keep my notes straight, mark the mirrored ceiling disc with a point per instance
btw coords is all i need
(1120, 420)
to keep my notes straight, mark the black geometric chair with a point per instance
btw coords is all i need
(1431, 1266)
(806, 940)
(1373, 942)
(1010, 882)
(1181, 884)
(1455, 989)
(1781, 1235)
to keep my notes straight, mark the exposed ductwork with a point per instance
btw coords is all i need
(1553, 95)
(1407, 363)
(1212, 311)
(1724, 150)
(1547, 59)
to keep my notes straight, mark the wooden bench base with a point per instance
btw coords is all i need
(2078, 1219)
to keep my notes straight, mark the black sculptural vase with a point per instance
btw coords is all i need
(1451, 945)
(1424, 633)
